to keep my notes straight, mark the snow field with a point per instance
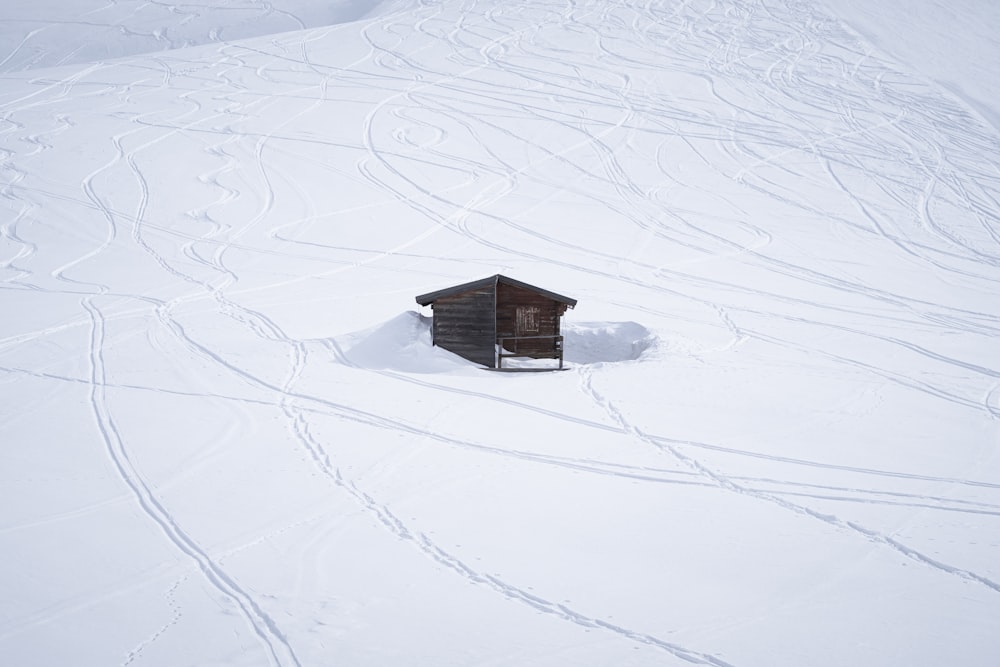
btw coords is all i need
(226, 439)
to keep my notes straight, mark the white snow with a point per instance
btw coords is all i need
(226, 438)
(953, 42)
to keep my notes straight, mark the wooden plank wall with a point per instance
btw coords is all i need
(464, 324)
(509, 298)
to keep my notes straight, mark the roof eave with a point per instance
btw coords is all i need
(431, 297)
(544, 292)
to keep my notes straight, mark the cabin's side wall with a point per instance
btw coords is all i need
(464, 324)
(544, 320)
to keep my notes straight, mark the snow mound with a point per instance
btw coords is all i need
(599, 342)
(401, 344)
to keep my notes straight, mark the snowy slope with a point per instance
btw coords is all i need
(46, 33)
(227, 440)
(952, 42)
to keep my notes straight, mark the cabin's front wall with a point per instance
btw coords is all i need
(521, 312)
(464, 324)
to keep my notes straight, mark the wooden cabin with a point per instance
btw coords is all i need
(488, 320)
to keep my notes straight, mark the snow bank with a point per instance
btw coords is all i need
(600, 342)
(404, 343)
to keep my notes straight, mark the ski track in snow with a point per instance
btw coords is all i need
(930, 171)
(675, 449)
(442, 557)
(280, 651)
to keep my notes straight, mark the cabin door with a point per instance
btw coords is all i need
(526, 323)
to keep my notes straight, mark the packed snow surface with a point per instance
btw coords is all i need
(227, 439)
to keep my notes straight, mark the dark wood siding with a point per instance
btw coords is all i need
(464, 324)
(469, 319)
(544, 315)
